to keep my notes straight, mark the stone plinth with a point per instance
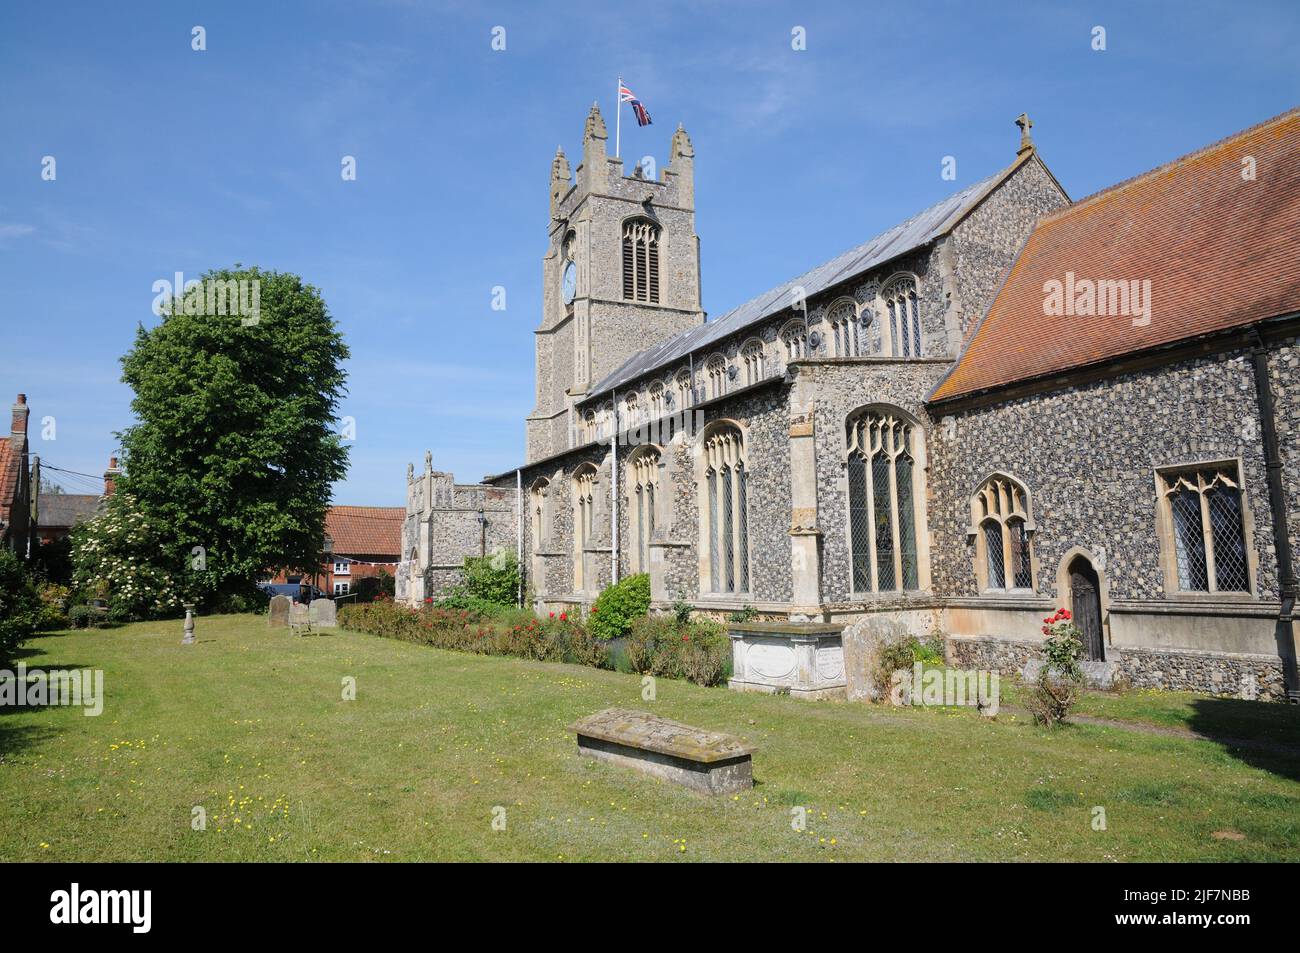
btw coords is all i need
(706, 761)
(805, 659)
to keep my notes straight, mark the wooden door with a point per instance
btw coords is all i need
(1085, 589)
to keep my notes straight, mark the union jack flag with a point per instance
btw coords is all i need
(626, 95)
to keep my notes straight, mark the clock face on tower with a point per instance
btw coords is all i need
(569, 282)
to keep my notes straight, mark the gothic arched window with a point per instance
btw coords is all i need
(794, 338)
(656, 395)
(884, 494)
(899, 296)
(539, 517)
(1205, 515)
(845, 329)
(683, 387)
(641, 260)
(1001, 525)
(584, 523)
(643, 494)
(715, 370)
(725, 509)
(751, 356)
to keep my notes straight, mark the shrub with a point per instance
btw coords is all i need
(698, 651)
(683, 610)
(1061, 679)
(509, 632)
(54, 606)
(20, 605)
(492, 578)
(619, 605)
(120, 556)
(747, 614)
(892, 655)
(478, 607)
(87, 617)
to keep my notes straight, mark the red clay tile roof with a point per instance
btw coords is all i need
(1219, 250)
(366, 530)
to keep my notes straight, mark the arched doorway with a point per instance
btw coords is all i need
(1085, 604)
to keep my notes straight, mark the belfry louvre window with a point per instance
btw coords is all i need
(643, 489)
(904, 317)
(1001, 525)
(882, 509)
(726, 504)
(1205, 514)
(641, 261)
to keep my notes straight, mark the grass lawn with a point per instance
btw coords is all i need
(250, 724)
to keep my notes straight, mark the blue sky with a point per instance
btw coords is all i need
(174, 160)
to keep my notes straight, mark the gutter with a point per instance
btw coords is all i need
(1277, 504)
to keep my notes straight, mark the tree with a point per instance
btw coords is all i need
(20, 605)
(235, 450)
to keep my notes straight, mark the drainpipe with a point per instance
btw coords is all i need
(519, 529)
(613, 493)
(1277, 504)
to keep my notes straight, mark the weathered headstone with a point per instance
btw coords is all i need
(299, 618)
(323, 614)
(705, 761)
(279, 611)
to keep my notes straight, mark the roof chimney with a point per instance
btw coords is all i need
(19, 428)
(110, 476)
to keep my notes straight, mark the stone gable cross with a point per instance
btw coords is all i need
(1025, 124)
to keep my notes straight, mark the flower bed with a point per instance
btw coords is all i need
(514, 632)
(658, 645)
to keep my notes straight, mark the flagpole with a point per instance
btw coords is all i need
(618, 116)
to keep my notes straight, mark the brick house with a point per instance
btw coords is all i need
(55, 514)
(362, 542)
(15, 483)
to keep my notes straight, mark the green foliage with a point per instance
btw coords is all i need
(235, 447)
(747, 614)
(510, 632)
(698, 651)
(54, 606)
(53, 561)
(20, 605)
(380, 586)
(492, 578)
(682, 611)
(479, 608)
(619, 606)
(87, 617)
(1062, 645)
(119, 556)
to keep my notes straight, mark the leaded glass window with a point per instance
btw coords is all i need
(1001, 526)
(727, 503)
(845, 329)
(904, 317)
(882, 507)
(1206, 516)
(643, 480)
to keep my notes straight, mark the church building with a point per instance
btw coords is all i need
(1007, 403)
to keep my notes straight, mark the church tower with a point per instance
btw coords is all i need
(621, 273)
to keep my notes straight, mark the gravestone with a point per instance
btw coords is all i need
(323, 614)
(279, 611)
(706, 761)
(299, 618)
